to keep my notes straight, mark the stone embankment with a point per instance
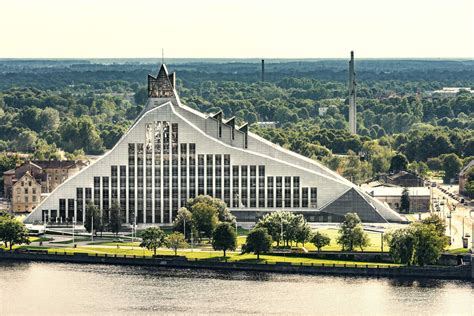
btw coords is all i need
(461, 272)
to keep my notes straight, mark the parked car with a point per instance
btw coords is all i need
(299, 250)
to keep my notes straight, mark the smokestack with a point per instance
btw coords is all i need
(352, 97)
(263, 70)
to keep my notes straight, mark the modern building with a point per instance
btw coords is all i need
(420, 197)
(172, 153)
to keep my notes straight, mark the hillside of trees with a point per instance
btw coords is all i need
(84, 106)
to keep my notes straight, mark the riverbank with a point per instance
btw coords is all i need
(461, 272)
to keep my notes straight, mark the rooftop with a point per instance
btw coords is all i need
(397, 191)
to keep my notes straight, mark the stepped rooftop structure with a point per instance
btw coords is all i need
(172, 153)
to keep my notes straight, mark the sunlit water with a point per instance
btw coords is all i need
(58, 289)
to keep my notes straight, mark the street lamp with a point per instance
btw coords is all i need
(471, 214)
(73, 226)
(449, 216)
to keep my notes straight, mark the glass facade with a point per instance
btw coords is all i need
(162, 174)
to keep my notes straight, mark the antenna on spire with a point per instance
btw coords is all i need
(162, 55)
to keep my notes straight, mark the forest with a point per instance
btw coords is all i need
(56, 109)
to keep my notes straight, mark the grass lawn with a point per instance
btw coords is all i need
(458, 250)
(203, 255)
(374, 239)
(111, 243)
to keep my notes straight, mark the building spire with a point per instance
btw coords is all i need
(163, 85)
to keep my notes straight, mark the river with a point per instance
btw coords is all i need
(59, 289)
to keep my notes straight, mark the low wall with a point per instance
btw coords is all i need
(463, 272)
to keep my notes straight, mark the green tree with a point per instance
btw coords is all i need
(48, 119)
(224, 238)
(405, 201)
(437, 222)
(352, 234)
(25, 141)
(153, 238)
(281, 225)
(429, 244)
(398, 163)
(302, 231)
(451, 166)
(115, 220)
(174, 241)
(420, 243)
(13, 232)
(205, 218)
(402, 245)
(183, 216)
(92, 216)
(223, 213)
(320, 240)
(258, 241)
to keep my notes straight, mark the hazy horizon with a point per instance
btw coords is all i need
(87, 29)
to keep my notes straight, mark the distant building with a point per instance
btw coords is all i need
(450, 91)
(25, 184)
(420, 197)
(403, 179)
(464, 175)
(322, 110)
(26, 193)
(266, 124)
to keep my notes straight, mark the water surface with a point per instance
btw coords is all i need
(59, 289)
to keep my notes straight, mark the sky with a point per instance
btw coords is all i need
(236, 28)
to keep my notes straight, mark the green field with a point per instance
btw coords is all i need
(202, 255)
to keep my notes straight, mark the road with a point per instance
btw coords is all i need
(459, 213)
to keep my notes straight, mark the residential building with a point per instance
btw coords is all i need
(403, 179)
(26, 193)
(464, 175)
(420, 197)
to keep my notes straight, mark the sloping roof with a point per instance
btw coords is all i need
(56, 164)
(352, 200)
(397, 191)
(466, 168)
(403, 174)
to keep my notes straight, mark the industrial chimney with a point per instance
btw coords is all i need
(352, 97)
(263, 70)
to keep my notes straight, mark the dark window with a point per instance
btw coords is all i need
(270, 192)
(314, 198)
(243, 186)
(209, 175)
(80, 203)
(218, 163)
(287, 191)
(235, 186)
(105, 193)
(97, 191)
(227, 179)
(261, 186)
(296, 191)
(70, 210)
(253, 186)
(62, 209)
(304, 197)
(279, 191)
(200, 174)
